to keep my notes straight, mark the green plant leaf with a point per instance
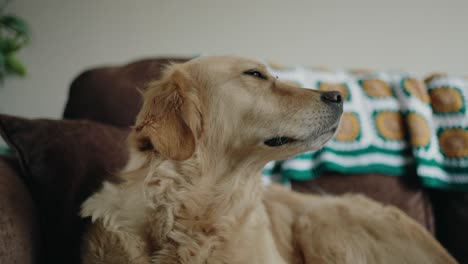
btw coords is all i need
(2, 68)
(13, 65)
(16, 24)
(9, 45)
(2, 60)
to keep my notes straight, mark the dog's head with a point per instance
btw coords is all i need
(232, 107)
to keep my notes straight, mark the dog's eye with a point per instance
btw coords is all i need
(256, 74)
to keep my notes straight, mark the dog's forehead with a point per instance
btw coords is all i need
(226, 64)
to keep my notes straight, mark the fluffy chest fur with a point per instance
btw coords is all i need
(166, 219)
(227, 240)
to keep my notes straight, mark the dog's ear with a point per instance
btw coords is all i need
(170, 121)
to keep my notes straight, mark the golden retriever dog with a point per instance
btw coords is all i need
(192, 191)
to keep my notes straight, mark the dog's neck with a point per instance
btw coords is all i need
(204, 187)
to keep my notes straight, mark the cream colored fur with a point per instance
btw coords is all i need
(191, 191)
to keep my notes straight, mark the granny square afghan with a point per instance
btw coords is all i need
(393, 123)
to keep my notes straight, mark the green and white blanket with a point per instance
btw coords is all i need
(393, 123)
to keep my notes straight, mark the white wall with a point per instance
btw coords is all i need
(68, 36)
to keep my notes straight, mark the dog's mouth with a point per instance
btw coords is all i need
(284, 140)
(279, 141)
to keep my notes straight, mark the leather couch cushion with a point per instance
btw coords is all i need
(18, 219)
(63, 163)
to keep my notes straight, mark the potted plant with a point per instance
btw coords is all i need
(14, 35)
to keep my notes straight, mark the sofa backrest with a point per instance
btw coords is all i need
(110, 94)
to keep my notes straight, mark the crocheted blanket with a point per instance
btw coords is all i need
(393, 123)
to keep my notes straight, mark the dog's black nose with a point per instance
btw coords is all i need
(331, 97)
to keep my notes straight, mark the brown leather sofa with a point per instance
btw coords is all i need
(108, 96)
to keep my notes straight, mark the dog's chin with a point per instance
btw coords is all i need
(317, 142)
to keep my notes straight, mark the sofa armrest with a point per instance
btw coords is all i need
(18, 221)
(451, 212)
